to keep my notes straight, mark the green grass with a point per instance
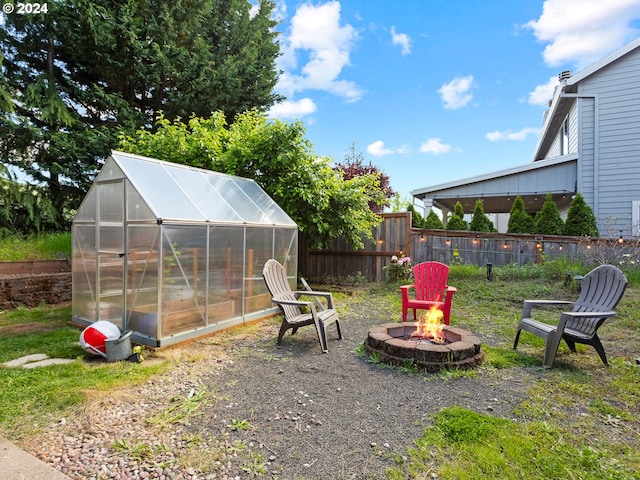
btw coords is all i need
(31, 398)
(462, 444)
(50, 246)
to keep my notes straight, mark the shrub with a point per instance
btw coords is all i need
(400, 268)
(580, 220)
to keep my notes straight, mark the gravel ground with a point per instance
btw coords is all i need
(287, 413)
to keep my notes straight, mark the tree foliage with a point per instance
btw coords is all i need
(417, 220)
(354, 166)
(457, 222)
(548, 220)
(479, 221)
(86, 70)
(279, 157)
(519, 220)
(433, 221)
(580, 219)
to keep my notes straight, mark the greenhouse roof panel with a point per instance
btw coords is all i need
(180, 192)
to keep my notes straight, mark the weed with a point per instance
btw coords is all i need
(236, 425)
(255, 467)
(181, 410)
(137, 449)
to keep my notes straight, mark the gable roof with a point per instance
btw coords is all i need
(562, 101)
(180, 193)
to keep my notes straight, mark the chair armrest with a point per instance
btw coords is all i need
(327, 295)
(450, 289)
(406, 287)
(288, 301)
(590, 314)
(529, 304)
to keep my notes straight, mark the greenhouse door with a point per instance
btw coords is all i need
(111, 254)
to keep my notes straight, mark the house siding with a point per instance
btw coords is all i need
(612, 160)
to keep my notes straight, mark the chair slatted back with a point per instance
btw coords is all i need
(275, 276)
(430, 280)
(602, 289)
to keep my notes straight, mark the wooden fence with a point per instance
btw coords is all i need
(394, 236)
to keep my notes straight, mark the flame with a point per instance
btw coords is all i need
(430, 325)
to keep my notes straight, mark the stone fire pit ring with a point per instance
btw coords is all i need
(393, 343)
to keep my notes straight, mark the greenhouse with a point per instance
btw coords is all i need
(173, 252)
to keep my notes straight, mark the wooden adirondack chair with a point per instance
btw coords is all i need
(275, 276)
(431, 289)
(602, 289)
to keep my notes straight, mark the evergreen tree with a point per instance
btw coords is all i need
(86, 70)
(456, 222)
(417, 220)
(480, 222)
(519, 220)
(433, 221)
(548, 220)
(580, 219)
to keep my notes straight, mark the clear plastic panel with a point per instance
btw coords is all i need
(110, 171)
(84, 267)
(142, 279)
(271, 211)
(225, 272)
(111, 198)
(184, 257)
(234, 195)
(259, 241)
(137, 208)
(87, 210)
(111, 288)
(286, 250)
(159, 189)
(213, 205)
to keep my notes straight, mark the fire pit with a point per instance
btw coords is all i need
(432, 347)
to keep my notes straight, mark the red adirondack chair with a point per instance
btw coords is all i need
(431, 289)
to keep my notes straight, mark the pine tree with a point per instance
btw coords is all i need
(580, 220)
(417, 220)
(85, 71)
(433, 221)
(456, 222)
(548, 220)
(519, 220)
(480, 222)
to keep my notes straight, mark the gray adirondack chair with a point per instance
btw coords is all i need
(275, 276)
(602, 289)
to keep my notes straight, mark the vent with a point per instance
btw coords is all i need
(564, 75)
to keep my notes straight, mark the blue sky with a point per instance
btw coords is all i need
(432, 91)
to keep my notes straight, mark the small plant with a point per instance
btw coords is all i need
(137, 449)
(181, 410)
(236, 425)
(399, 269)
(256, 467)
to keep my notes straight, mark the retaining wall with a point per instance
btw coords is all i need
(33, 283)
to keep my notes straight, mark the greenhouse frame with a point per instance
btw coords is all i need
(172, 252)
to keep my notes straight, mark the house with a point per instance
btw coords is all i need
(590, 144)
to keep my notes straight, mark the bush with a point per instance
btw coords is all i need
(400, 268)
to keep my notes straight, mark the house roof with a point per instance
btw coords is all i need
(498, 189)
(561, 103)
(164, 191)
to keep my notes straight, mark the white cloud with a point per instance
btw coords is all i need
(377, 149)
(456, 93)
(401, 39)
(511, 135)
(580, 32)
(317, 33)
(290, 109)
(543, 93)
(435, 146)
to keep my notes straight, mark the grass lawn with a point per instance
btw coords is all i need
(579, 420)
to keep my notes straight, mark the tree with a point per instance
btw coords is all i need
(279, 157)
(479, 221)
(417, 220)
(433, 221)
(519, 220)
(548, 220)
(86, 70)
(580, 220)
(456, 222)
(354, 166)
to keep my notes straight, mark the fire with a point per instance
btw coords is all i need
(430, 325)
